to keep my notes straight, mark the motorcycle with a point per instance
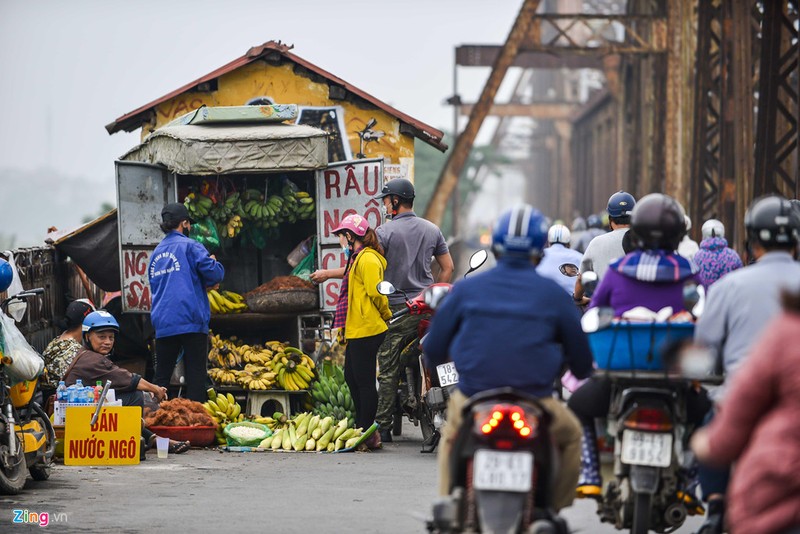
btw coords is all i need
(27, 438)
(502, 466)
(421, 396)
(653, 480)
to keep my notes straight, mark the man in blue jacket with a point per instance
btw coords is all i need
(511, 327)
(181, 270)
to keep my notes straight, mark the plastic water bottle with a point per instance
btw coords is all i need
(61, 392)
(71, 393)
(89, 392)
(76, 393)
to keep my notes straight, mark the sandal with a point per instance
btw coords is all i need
(179, 447)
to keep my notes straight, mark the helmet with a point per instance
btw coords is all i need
(355, 223)
(620, 204)
(594, 221)
(579, 224)
(99, 320)
(400, 187)
(558, 233)
(658, 222)
(772, 221)
(6, 274)
(688, 222)
(713, 228)
(520, 231)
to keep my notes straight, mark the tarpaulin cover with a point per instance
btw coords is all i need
(94, 247)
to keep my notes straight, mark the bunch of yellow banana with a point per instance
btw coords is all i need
(225, 301)
(226, 357)
(295, 369)
(257, 380)
(223, 377)
(234, 226)
(308, 432)
(224, 410)
(257, 355)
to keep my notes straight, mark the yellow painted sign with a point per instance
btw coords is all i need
(354, 132)
(113, 440)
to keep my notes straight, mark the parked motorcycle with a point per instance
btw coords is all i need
(422, 396)
(502, 466)
(27, 438)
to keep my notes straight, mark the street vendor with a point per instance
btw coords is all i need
(92, 364)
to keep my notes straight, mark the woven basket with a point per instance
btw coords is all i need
(284, 300)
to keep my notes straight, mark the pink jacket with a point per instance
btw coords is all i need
(758, 427)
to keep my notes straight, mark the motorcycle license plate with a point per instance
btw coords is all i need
(646, 448)
(502, 471)
(447, 374)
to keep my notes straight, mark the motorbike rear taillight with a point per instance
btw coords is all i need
(650, 419)
(505, 421)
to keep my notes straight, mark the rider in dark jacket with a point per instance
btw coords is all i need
(512, 327)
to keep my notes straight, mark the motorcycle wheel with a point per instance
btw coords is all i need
(12, 479)
(641, 513)
(40, 472)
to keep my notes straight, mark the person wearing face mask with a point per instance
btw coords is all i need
(180, 272)
(361, 315)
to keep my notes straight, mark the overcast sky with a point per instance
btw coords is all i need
(71, 67)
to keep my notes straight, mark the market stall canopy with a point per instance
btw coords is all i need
(220, 148)
(94, 247)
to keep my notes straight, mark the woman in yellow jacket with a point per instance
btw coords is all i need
(362, 313)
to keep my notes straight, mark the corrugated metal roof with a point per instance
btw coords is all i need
(133, 120)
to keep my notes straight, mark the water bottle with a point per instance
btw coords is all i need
(61, 392)
(89, 392)
(71, 393)
(76, 394)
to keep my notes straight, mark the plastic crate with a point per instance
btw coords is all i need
(60, 409)
(637, 346)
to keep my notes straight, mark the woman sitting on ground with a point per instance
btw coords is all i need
(60, 352)
(91, 364)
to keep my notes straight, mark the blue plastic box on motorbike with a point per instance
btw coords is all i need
(638, 346)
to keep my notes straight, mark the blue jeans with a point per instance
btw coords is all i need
(713, 480)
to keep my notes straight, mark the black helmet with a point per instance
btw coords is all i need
(772, 222)
(400, 187)
(658, 222)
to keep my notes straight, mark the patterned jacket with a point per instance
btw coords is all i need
(715, 259)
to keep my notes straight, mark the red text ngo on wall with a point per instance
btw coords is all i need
(135, 282)
(344, 189)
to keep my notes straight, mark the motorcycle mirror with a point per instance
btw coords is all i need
(386, 288)
(698, 308)
(569, 269)
(434, 296)
(589, 281)
(597, 319)
(477, 259)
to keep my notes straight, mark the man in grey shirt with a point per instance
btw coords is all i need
(410, 244)
(742, 303)
(604, 249)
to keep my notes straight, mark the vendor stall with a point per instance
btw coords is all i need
(265, 201)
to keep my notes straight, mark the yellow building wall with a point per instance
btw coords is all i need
(283, 86)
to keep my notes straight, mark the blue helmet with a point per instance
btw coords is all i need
(98, 321)
(521, 231)
(594, 221)
(6, 274)
(620, 204)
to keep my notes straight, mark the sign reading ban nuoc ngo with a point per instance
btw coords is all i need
(113, 440)
(344, 189)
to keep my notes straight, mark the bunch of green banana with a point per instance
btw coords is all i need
(308, 432)
(199, 206)
(332, 396)
(225, 301)
(223, 211)
(224, 410)
(306, 208)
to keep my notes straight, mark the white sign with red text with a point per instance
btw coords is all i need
(343, 189)
(135, 280)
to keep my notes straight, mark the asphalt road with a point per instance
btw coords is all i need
(203, 491)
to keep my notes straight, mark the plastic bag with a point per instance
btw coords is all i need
(26, 363)
(205, 232)
(303, 249)
(254, 236)
(17, 308)
(253, 441)
(306, 265)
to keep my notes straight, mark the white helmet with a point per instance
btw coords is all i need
(688, 223)
(558, 233)
(713, 228)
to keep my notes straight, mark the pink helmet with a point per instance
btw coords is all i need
(355, 223)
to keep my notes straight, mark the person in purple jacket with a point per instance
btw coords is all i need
(653, 276)
(181, 270)
(715, 259)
